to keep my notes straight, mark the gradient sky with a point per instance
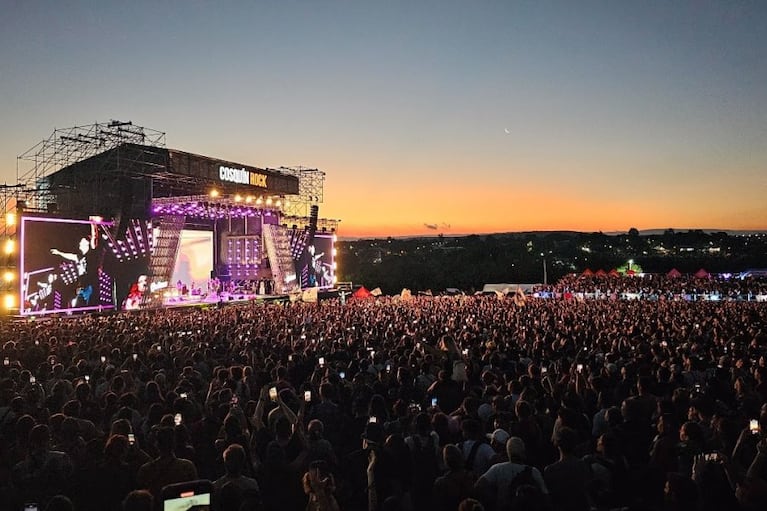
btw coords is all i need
(648, 114)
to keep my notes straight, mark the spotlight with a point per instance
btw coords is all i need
(9, 276)
(269, 201)
(10, 246)
(249, 199)
(259, 201)
(238, 198)
(9, 301)
(214, 193)
(10, 219)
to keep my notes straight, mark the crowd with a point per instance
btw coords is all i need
(434, 403)
(659, 287)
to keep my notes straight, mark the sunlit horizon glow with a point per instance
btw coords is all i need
(471, 117)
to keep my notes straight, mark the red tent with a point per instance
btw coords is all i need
(601, 273)
(673, 274)
(702, 274)
(613, 273)
(361, 293)
(587, 273)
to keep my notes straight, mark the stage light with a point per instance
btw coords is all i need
(268, 201)
(10, 219)
(9, 276)
(9, 301)
(259, 201)
(10, 246)
(279, 203)
(214, 193)
(238, 198)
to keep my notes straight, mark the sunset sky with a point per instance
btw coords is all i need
(468, 116)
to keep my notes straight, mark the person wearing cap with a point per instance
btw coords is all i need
(498, 439)
(493, 485)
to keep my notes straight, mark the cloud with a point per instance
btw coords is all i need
(433, 227)
(445, 226)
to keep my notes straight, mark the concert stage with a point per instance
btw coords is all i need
(125, 223)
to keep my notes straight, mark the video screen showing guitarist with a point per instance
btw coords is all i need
(87, 261)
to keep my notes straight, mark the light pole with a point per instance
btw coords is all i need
(545, 277)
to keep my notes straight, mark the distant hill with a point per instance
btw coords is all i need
(643, 232)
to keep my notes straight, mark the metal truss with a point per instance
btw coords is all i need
(311, 184)
(71, 145)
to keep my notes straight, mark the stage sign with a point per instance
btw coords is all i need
(261, 180)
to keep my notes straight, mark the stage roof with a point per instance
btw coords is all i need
(171, 169)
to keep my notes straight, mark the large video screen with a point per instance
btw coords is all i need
(316, 264)
(80, 265)
(194, 261)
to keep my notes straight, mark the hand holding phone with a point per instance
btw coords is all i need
(273, 393)
(307, 395)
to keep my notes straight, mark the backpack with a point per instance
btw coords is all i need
(424, 462)
(521, 480)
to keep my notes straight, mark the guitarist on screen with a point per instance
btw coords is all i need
(86, 264)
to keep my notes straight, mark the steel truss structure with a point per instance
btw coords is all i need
(70, 145)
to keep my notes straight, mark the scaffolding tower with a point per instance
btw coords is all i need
(68, 146)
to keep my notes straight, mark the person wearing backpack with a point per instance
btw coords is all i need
(499, 486)
(477, 453)
(424, 450)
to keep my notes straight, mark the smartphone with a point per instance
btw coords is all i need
(131, 439)
(753, 425)
(235, 400)
(177, 419)
(32, 506)
(388, 368)
(711, 456)
(433, 401)
(544, 370)
(273, 393)
(192, 495)
(322, 361)
(342, 375)
(7, 361)
(307, 395)
(135, 356)
(183, 395)
(372, 354)
(465, 352)
(290, 358)
(159, 348)
(579, 367)
(87, 378)
(373, 420)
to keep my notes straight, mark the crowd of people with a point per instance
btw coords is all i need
(659, 287)
(433, 403)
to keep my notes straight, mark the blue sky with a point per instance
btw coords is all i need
(485, 116)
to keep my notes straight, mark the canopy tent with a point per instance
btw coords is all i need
(674, 274)
(601, 273)
(702, 274)
(613, 273)
(587, 273)
(361, 293)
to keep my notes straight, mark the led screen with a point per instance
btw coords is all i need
(194, 260)
(315, 266)
(80, 265)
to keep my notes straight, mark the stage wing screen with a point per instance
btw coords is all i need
(194, 261)
(62, 266)
(316, 265)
